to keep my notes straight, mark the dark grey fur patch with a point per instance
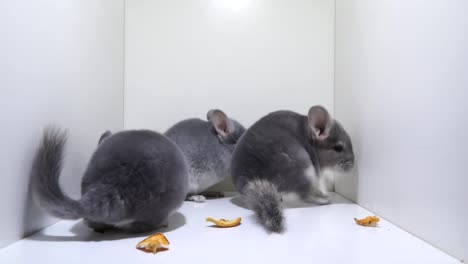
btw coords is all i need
(133, 181)
(281, 149)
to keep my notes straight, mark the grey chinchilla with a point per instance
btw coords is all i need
(207, 147)
(134, 181)
(285, 152)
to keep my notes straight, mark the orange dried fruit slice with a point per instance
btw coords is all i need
(154, 243)
(368, 221)
(224, 222)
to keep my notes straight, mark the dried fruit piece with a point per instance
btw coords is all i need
(154, 243)
(368, 221)
(224, 222)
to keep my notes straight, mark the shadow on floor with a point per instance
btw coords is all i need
(84, 233)
(293, 203)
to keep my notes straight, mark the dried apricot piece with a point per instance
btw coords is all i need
(368, 221)
(154, 243)
(224, 222)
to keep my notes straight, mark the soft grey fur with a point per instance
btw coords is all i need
(264, 200)
(285, 152)
(134, 181)
(207, 147)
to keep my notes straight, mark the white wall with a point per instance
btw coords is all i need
(401, 91)
(247, 57)
(61, 62)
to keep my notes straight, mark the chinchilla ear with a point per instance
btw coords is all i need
(320, 122)
(222, 124)
(104, 136)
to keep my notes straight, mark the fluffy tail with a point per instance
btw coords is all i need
(263, 197)
(45, 177)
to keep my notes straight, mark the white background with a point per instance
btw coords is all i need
(246, 57)
(61, 62)
(402, 90)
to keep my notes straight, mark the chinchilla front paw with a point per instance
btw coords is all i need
(320, 198)
(196, 198)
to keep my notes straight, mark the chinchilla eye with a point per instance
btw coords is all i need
(338, 148)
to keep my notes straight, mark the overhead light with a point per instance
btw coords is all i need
(234, 6)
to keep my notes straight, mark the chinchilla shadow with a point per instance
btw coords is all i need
(350, 180)
(83, 233)
(292, 202)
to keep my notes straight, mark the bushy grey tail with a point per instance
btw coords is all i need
(45, 177)
(263, 197)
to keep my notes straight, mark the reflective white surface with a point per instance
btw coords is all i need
(315, 234)
(61, 63)
(401, 90)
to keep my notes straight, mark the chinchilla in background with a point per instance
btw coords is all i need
(134, 181)
(207, 147)
(285, 152)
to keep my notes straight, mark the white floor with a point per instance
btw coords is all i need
(315, 234)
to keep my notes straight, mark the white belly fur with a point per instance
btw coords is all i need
(322, 182)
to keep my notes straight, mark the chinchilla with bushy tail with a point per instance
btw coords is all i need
(207, 147)
(285, 152)
(134, 181)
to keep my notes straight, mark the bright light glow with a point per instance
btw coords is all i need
(234, 6)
